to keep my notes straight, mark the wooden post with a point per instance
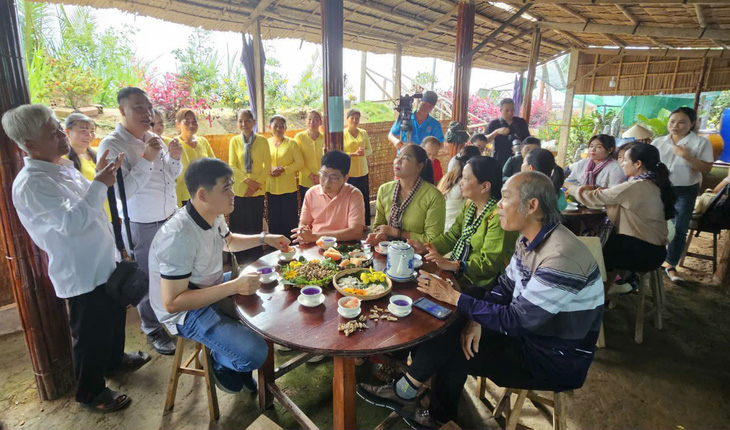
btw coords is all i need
(462, 75)
(700, 84)
(343, 393)
(42, 314)
(534, 53)
(363, 69)
(259, 77)
(332, 47)
(397, 71)
(567, 109)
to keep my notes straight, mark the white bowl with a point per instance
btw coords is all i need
(288, 255)
(398, 307)
(313, 298)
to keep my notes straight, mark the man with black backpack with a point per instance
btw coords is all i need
(150, 170)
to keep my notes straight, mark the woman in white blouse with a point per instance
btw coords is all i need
(600, 169)
(687, 156)
(449, 184)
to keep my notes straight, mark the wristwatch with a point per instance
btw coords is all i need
(262, 236)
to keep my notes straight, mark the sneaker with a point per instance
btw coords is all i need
(618, 288)
(385, 397)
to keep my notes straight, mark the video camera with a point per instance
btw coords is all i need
(405, 111)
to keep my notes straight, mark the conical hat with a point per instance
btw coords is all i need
(637, 132)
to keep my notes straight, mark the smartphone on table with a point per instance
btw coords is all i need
(432, 308)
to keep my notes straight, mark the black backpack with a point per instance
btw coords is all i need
(717, 215)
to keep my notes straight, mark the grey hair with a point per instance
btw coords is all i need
(25, 122)
(75, 118)
(537, 185)
(157, 111)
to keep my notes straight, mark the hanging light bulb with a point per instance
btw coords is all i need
(612, 83)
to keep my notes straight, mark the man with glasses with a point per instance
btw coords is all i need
(150, 169)
(333, 207)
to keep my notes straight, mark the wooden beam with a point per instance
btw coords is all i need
(721, 44)
(627, 13)
(615, 40)
(567, 109)
(618, 75)
(570, 36)
(534, 53)
(255, 14)
(258, 75)
(701, 18)
(482, 18)
(646, 74)
(443, 18)
(570, 11)
(332, 74)
(572, 84)
(494, 34)
(397, 71)
(683, 53)
(700, 83)
(464, 55)
(639, 30)
(631, 2)
(658, 42)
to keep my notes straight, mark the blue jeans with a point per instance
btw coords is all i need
(684, 206)
(232, 345)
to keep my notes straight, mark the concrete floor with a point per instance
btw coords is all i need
(678, 378)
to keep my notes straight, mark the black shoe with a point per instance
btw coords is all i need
(421, 419)
(249, 384)
(161, 342)
(385, 396)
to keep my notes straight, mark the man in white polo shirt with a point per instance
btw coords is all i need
(150, 170)
(187, 281)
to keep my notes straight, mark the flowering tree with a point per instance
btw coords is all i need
(486, 110)
(172, 94)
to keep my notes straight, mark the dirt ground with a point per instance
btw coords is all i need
(678, 378)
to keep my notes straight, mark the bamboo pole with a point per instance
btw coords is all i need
(700, 84)
(363, 68)
(42, 314)
(567, 109)
(332, 46)
(462, 75)
(534, 54)
(397, 72)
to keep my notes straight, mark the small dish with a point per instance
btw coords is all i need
(349, 316)
(396, 313)
(417, 261)
(311, 305)
(380, 251)
(409, 279)
(284, 259)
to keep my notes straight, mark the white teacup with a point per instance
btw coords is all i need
(348, 312)
(266, 274)
(311, 294)
(401, 304)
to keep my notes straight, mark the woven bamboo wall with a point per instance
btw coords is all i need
(650, 75)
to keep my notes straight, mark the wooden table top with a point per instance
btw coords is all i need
(584, 211)
(275, 314)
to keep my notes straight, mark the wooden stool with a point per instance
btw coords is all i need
(200, 369)
(512, 414)
(654, 281)
(695, 231)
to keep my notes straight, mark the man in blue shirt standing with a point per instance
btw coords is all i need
(422, 124)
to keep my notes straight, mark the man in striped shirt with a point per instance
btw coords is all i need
(536, 328)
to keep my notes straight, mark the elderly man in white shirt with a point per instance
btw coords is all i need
(63, 214)
(150, 170)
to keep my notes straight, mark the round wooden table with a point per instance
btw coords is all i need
(577, 220)
(275, 314)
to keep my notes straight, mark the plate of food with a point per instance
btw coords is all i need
(365, 284)
(301, 272)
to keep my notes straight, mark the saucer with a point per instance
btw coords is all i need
(409, 279)
(417, 262)
(273, 279)
(396, 313)
(380, 251)
(314, 305)
(339, 311)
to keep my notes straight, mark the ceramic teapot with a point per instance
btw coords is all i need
(400, 261)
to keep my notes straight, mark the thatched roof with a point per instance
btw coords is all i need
(428, 28)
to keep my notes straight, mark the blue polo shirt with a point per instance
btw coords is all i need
(429, 127)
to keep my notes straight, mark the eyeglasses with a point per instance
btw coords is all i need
(330, 178)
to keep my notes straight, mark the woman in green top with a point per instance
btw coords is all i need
(480, 249)
(409, 207)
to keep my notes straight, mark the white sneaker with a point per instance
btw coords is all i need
(673, 278)
(620, 289)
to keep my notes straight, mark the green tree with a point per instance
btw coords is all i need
(307, 93)
(275, 87)
(198, 63)
(424, 80)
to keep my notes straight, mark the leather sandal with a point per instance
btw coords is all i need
(108, 401)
